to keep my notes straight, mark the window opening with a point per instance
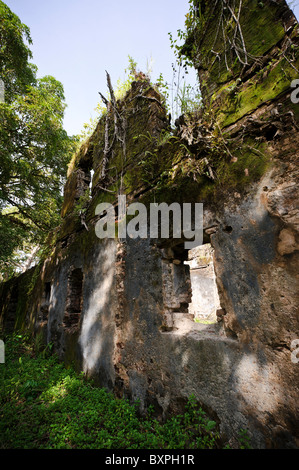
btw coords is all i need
(205, 299)
(189, 286)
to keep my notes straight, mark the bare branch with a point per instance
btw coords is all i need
(105, 101)
(111, 89)
(24, 212)
(239, 27)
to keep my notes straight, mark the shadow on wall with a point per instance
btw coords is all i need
(239, 385)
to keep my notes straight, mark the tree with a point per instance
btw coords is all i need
(15, 69)
(34, 147)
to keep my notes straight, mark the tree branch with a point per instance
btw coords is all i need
(22, 211)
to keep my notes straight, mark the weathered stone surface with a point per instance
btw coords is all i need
(287, 242)
(133, 332)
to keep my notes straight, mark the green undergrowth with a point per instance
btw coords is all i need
(43, 405)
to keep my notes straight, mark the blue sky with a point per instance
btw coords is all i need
(77, 40)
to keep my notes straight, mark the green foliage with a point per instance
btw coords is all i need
(34, 147)
(244, 439)
(180, 97)
(187, 99)
(178, 43)
(131, 69)
(15, 70)
(163, 88)
(150, 170)
(82, 203)
(184, 97)
(44, 405)
(35, 150)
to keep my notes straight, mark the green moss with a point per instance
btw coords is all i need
(205, 322)
(83, 243)
(27, 284)
(189, 181)
(100, 197)
(262, 27)
(209, 45)
(253, 160)
(273, 81)
(69, 225)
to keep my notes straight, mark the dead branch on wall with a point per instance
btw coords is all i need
(230, 38)
(237, 28)
(119, 132)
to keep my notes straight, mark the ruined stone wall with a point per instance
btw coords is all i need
(119, 308)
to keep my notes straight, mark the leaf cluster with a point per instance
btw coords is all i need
(15, 70)
(45, 405)
(34, 147)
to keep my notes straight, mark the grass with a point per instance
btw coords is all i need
(46, 406)
(205, 322)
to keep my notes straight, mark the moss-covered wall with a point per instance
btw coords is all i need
(245, 53)
(238, 156)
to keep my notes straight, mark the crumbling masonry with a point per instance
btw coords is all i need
(119, 309)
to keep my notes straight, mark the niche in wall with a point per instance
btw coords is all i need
(74, 299)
